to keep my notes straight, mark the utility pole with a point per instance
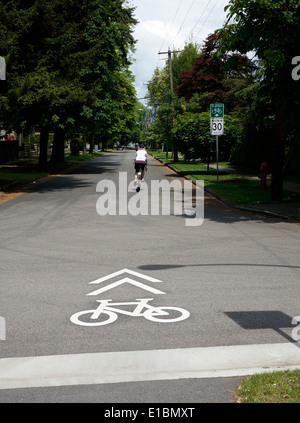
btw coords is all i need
(169, 53)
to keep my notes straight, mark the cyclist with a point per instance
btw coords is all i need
(140, 161)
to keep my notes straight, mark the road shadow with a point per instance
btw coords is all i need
(69, 178)
(248, 320)
(269, 319)
(217, 210)
(154, 267)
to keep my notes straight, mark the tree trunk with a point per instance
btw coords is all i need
(92, 143)
(44, 137)
(175, 151)
(278, 153)
(58, 150)
(84, 139)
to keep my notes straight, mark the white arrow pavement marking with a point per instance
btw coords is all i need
(120, 272)
(126, 280)
(133, 366)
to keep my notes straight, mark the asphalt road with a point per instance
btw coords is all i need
(235, 279)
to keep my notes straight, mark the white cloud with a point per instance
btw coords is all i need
(156, 27)
(167, 24)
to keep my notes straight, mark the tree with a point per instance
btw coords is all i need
(160, 96)
(215, 78)
(158, 86)
(184, 60)
(100, 59)
(262, 26)
(192, 133)
(73, 62)
(37, 88)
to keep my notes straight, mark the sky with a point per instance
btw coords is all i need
(165, 24)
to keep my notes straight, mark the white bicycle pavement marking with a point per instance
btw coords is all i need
(110, 314)
(142, 309)
(133, 366)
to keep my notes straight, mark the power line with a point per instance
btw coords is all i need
(209, 1)
(171, 24)
(206, 19)
(183, 21)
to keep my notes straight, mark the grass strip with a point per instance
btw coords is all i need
(275, 387)
(232, 187)
(24, 171)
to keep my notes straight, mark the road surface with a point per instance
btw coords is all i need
(231, 286)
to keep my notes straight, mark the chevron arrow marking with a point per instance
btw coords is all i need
(126, 280)
(120, 272)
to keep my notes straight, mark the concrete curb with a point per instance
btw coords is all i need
(228, 203)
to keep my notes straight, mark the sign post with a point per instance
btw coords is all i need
(217, 127)
(217, 156)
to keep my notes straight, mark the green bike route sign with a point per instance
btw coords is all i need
(217, 119)
(217, 111)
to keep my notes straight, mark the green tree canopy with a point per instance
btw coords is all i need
(192, 133)
(270, 29)
(75, 61)
(215, 78)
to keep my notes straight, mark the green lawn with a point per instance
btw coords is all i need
(24, 171)
(276, 387)
(233, 188)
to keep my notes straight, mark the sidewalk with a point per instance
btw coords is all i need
(289, 186)
(286, 211)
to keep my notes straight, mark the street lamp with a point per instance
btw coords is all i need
(167, 143)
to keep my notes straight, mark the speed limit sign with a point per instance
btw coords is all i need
(217, 126)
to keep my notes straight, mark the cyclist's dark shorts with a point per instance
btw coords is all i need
(139, 166)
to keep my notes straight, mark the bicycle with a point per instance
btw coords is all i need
(139, 179)
(139, 172)
(110, 313)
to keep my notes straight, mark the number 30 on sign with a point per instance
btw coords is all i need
(217, 126)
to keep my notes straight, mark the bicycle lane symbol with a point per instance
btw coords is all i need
(107, 311)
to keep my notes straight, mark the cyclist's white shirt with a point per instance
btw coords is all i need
(141, 156)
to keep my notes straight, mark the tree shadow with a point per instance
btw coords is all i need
(154, 267)
(270, 319)
(65, 178)
(248, 320)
